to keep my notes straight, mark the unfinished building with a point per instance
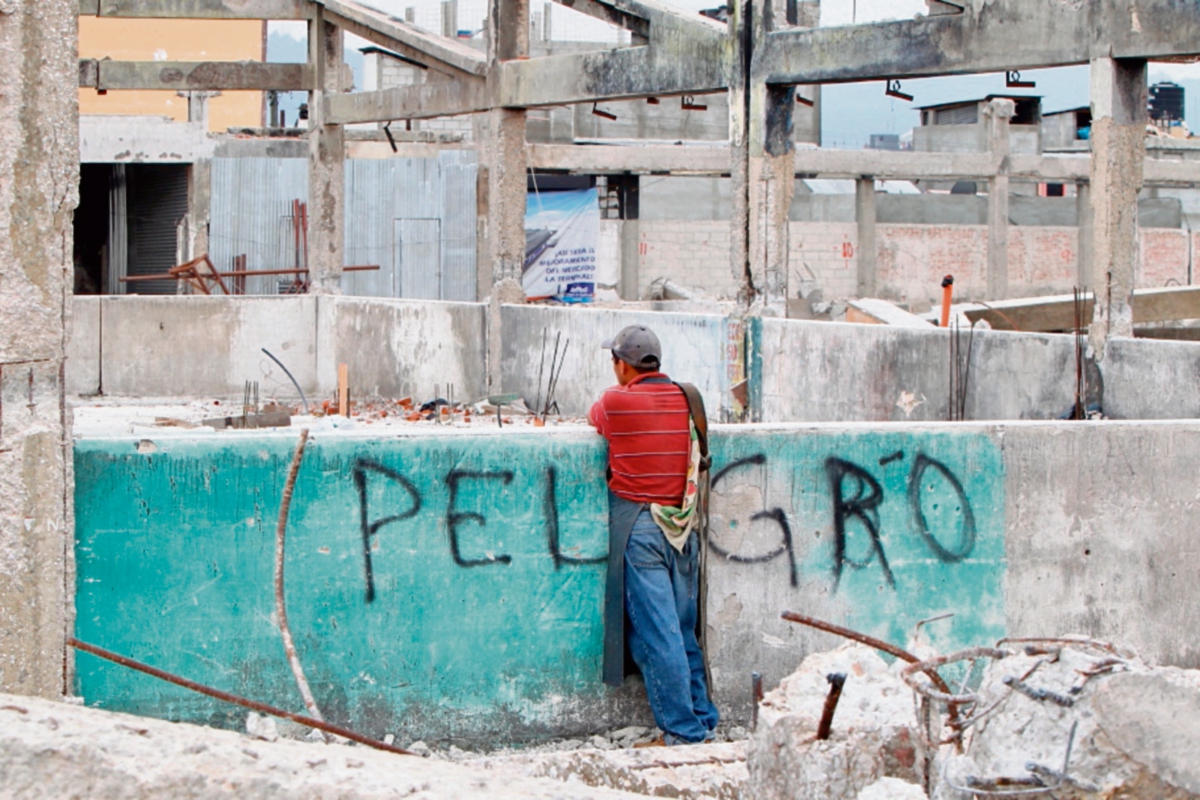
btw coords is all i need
(1020, 459)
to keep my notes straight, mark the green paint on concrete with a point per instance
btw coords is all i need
(935, 500)
(175, 553)
(175, 564)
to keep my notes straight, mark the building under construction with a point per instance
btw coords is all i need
(292, 405)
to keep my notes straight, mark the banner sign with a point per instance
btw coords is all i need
(562, 231)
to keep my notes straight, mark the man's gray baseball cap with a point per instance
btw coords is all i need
(636, 345)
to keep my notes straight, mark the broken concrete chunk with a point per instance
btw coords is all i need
(892, 789)
(261, 727)
(875, 732)
(1129, 730)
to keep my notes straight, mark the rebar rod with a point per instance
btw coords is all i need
(285, 631)
(217, 694)
(836, 681)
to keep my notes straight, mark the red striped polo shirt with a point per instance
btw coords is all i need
(646, 425)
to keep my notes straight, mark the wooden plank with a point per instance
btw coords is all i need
(344, 390)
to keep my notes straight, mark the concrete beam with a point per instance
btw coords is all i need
(195, 75)
(599, 159)
(405, 38)
(613, 14)
(990, 36)
(611, 75)
(422, 101)
(198, 9)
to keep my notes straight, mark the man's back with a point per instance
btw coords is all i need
(646, 425)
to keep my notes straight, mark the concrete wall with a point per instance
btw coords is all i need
(210, 346)
(485, 616)
(696, 349)
(830, 372)
(825, 372)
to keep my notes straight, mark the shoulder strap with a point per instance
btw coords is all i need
(699, 419)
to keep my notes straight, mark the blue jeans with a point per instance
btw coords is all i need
(660, 598)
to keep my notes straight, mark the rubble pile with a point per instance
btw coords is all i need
(1069, 718)
(50, 749)
(875, 730)
(1081, 720)
(695, 772)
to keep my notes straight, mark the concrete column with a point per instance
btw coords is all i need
(1119, 117)
(741, 42)
(326, 163)
(450, 19)
(772, 182)
(762, 173)
(39, 159)
(198, 105)
(199, 205)
(503, 165)
(630, 258)
(998, 114)
(1083, 258)
(865, 216)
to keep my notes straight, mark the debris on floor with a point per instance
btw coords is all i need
(123, 416)
(1067, 717)
(874, 731)
(1078, 719)
(690, 772)
(53, 749)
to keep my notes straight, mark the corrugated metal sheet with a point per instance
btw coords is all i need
(251, 214)
(157, 199)
(118, 230)
(458, 170)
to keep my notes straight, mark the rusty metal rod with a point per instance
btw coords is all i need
(836, 681)
(285, 630)
(236, 273)
(869, 641)
(254, 705)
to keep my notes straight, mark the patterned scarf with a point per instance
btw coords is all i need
(677, 523)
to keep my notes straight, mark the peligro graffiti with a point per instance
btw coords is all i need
(855, 496)
(455, 518)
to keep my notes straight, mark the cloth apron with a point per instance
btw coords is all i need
(622, 514)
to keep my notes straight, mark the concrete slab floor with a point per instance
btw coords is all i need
(55, 749)
(104, 417)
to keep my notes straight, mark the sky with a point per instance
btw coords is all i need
(850, 113)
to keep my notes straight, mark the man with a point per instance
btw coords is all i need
(654, 553)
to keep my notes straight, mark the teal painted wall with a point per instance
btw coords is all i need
(175, 568)
(485, 614)
(884, 528)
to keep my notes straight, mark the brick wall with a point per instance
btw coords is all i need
(1164, 259)
(394, 73)
(826, 252)
(911, 259)
(694, 254)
